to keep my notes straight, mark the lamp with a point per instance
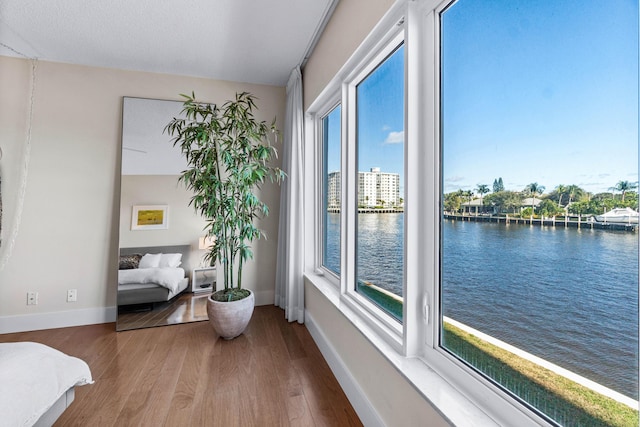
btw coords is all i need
(206, 243)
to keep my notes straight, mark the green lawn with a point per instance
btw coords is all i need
(390, 303)
(568, 403)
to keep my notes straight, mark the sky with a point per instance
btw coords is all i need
(380, 117)
(542, 92)
(380, 120)
(532, 91)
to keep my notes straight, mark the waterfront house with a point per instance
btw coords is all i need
(530, 202)
(476, 207)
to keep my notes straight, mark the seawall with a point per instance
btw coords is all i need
(545, 222)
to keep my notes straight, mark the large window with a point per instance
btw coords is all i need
(332, 193)
(539, 110)
(380, 219)
(512, 269)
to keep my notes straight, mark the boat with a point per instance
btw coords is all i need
(619, 216)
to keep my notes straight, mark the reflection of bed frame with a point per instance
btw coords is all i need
(53, 413)
(38, 383)
(145, 293)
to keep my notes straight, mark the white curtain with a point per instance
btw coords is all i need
(289, 283)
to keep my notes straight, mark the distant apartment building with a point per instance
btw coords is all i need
(388, 189)
(333, 190)
(375, 188)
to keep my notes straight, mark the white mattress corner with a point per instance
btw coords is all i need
(33, 377)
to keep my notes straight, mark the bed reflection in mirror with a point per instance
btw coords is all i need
(158, 250)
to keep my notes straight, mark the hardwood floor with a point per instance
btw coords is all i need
(184, 308)
(183, 375)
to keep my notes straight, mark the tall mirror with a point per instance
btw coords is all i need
(161, 279)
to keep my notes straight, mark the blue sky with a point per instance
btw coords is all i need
(542, 92)
(380, 119)
(533, 91)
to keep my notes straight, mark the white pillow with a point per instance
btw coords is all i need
(170, 260)
(150, 261)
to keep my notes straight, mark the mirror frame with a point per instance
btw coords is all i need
(149, 176)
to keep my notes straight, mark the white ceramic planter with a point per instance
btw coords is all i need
(230, 319)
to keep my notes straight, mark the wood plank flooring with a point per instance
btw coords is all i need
(184, 308)
(184, 375)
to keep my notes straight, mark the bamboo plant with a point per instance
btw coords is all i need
(228, 153)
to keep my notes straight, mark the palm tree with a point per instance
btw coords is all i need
(534, 189)
(482, 190)
(624, 186)
(560, 190)
(574, 192)
(460, 195)
(468, 195)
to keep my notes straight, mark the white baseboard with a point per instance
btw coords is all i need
(363, 407)
(87, 316)
(264, 297)
(58, 319)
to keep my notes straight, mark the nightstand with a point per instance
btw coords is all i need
(203, 279)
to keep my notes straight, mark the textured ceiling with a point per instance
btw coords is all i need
(257, 41)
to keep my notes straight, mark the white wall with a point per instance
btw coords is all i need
(350, 23)
(68, 236)
(393, 399)
(185, 225)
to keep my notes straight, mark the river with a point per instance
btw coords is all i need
(568, 296)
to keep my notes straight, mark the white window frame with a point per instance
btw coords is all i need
(423, 113)
(412, 346)
(391, 329)
(333, 102)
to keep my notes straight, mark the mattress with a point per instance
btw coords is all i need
(141, 293)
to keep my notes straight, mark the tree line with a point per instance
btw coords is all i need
(562, 199)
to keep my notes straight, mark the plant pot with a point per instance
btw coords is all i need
(230, 319)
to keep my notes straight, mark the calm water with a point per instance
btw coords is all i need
(568, 296)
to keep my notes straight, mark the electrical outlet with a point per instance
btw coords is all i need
(72, 295)
(32, 298)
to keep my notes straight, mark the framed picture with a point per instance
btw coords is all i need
(150, 217)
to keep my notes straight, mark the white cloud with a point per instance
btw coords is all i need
(455, 178)
(395, 138)
(452, 183)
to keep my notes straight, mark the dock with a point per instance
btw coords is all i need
(547, 222)
(371, 210)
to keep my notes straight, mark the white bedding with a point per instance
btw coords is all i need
(32, 377)
(164, 276)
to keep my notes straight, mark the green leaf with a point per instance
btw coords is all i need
(227, 152)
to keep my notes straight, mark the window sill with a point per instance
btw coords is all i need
(453, 404)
